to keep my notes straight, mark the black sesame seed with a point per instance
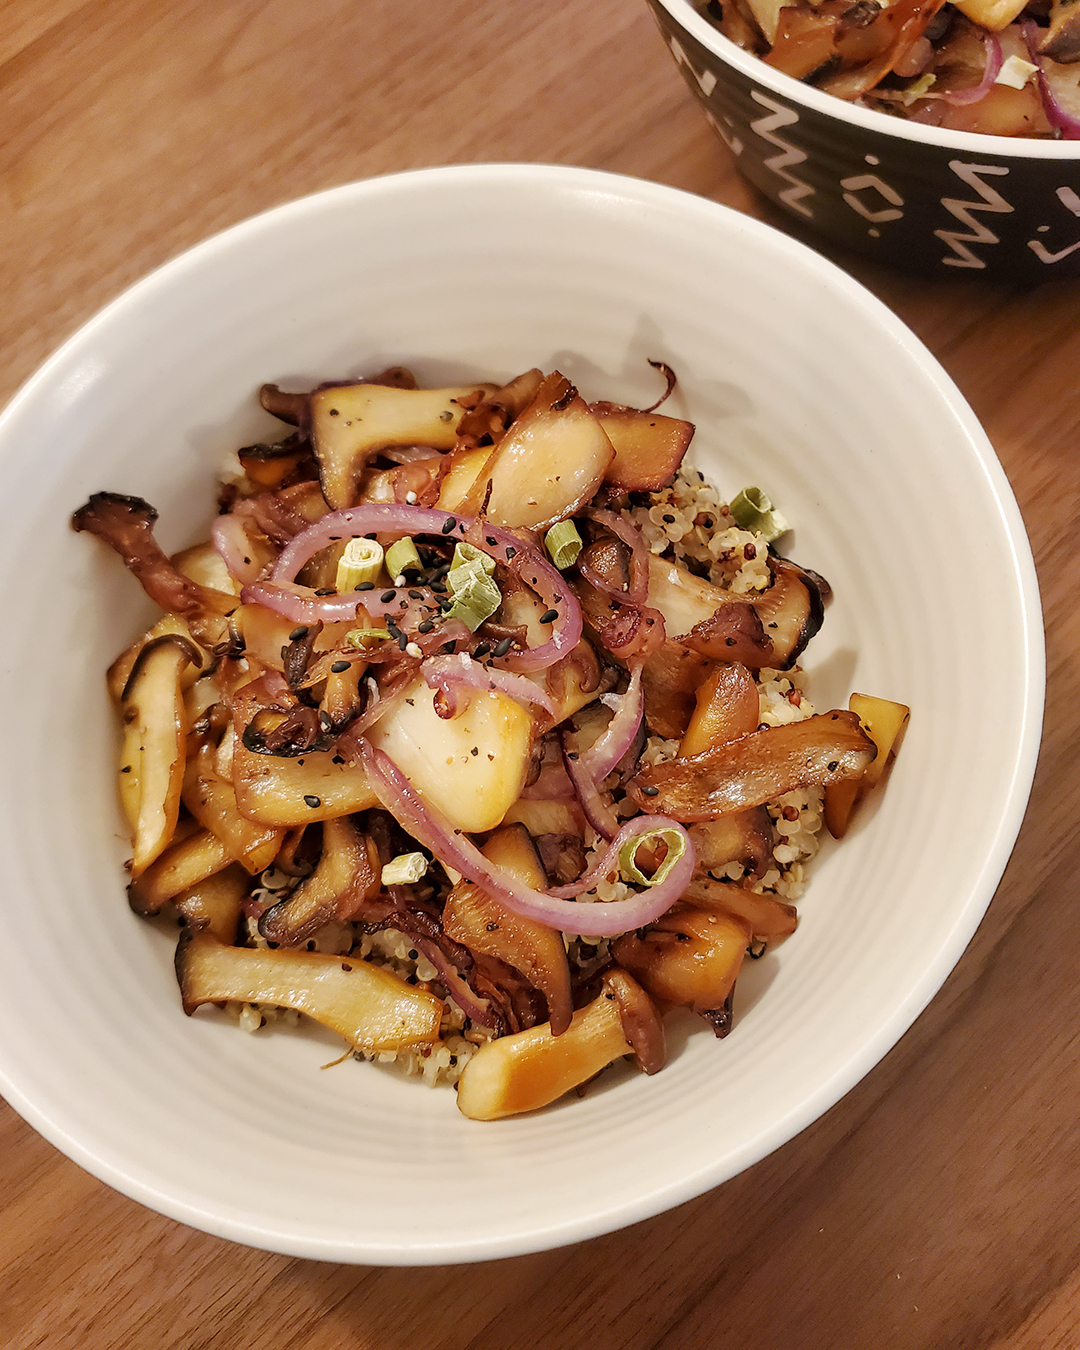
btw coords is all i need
(298, 633)
(833, 765)
(387, 596)
(366, 586)
(426, 626)
(312, 801)
(339, 666)
(416, 595)
(439, 587)
(481, 649)
(402, 640)
(549, 616)
(502, 647)
(650, 791)
(669, 520)
(449, 525)
(326, 590)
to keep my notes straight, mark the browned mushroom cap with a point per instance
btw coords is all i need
(372, 1008)
(533, 1068)
(757, 768)
(126, 524)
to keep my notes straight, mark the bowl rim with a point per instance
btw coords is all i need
(684, 13)
(587, 185)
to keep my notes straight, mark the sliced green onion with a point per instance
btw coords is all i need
(366, 637)
(676, 847)
(752, 510)
(476, 597)
(563, 544)
(402, 557)
(361, 561)
(465, 555)
(404, 869)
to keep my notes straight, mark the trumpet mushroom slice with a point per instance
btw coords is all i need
(766, 628)
(480, 922)
(765, 918)
(350, 422)
(757, 768)
(550, 462)
(154, 719)
(186, 862)
(347, 874)
(214, 904)
(670, 679)
(371, 1008)
(727, 707)
(649, 447)
(688, 958)
(212, 801)
(533, 1068)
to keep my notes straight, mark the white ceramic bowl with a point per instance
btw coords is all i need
(798, 381)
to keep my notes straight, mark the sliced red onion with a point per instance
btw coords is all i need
(230, 539)
(460, 671)
(301, 605)
(476, 1009)
(1061, 100)
(599, 813)
(991, 69)
(606, 753)
(553, 908)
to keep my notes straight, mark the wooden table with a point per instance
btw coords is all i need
(935, 1206)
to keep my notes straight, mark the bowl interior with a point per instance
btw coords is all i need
(798, 381)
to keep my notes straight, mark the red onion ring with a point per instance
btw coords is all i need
(618, 736)
(302, 605)
(553, 908)
(600, 815)
(231, 541)
(451, 673)
(991, 69)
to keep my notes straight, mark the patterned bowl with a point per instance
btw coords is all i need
(923, 198)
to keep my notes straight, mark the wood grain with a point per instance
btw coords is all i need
(933, 1208)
